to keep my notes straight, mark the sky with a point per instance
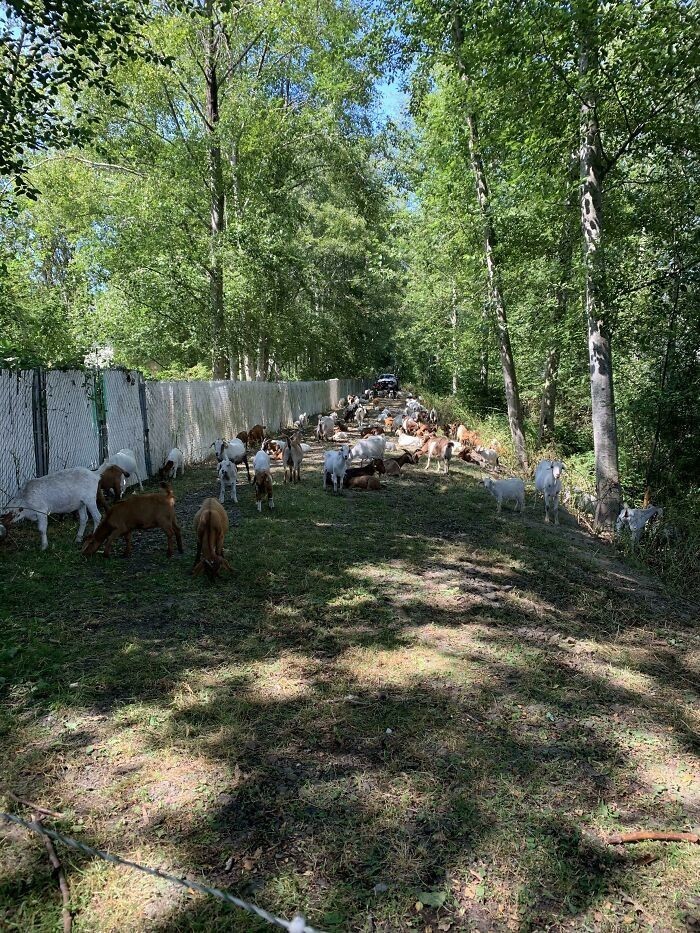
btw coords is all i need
(392, 102)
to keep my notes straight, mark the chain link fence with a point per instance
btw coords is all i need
(53, 420)
(17, 453)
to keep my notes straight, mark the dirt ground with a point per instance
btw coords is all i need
(399, 712)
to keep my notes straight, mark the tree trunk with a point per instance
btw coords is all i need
(484, 367)
(453, 325)
(564, 261)
(670, 342)
(599, 346)
(482, 192)
(217, 203)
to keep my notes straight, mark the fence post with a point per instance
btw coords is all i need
(101, 414)
(40, 423)
(144, 416)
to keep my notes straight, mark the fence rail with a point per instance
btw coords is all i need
(51, 420)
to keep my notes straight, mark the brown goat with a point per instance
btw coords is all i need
(110, 481)
(440, 448)
(151, 510)
(262, 481)
(292, 455)
(256, 435)
(243, 437)
(374, 466)
(210, 526)
(393, 464)
(364, 482)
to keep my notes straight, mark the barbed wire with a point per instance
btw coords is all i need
(297, 925)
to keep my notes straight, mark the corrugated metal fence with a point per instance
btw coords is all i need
(51, 420)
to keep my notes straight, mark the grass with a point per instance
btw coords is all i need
(400, 712)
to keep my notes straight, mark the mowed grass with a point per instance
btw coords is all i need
(399, 712)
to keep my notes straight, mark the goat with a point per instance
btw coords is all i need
(409, 443)
(234, 450)
(325, 428)
(302, 421)
(334, 465)
(548, 482)
(360, 414)
(584, 502)
(503, 490)
(370, 447)
(262, 480)
(488, 453)
(242, 436)
(174, 462)
(439, 447)
(402, 460)
(256, 435)
(152, 510)
(56, 494)
(110, 481)
(292, 455)
(227, 475)
(636, 520)
(364, 482)
(126, 459)
(374, 466)
(340, 436)
(210, 527)
(433, 416)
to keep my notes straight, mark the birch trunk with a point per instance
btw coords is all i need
(599, 345)
(217, 204)
(453, 325)
(482, 192)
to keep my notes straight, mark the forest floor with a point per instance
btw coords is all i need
(399, 712)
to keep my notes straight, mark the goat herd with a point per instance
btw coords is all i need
(416, 435)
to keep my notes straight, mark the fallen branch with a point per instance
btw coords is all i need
(32, 806)
(62, 883)
(618, 839)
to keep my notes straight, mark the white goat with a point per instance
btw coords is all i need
(360, 414)
(636, 520)
(57, 493)
(582, 501)
(174, 462)
(325, 426)
(548, 482)
(505, 490)
(124, 458)
(369, 448)
(234, 450)
(227, 478)
(302, 421)
(334, 465)
(489, 454)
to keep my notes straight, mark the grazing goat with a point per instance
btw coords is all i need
(126, 459)
(175, 462)
(262, 480)
(364, 482)
(374, 466)
(234, 450)
(548, 482)
(334, 466)
(227, 475)
(292, 455)
(584, 502)
(504, 490)
(374, 445)
(488, 453)
(56, 494)
(110, 481)
(152, 510)
(210, 527)
(441, 448)
(636, 520)
(256, 435)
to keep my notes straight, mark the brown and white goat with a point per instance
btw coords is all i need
(210, 527)
(152, 510)
(440, 448)
(374, 466)
(110, 481)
